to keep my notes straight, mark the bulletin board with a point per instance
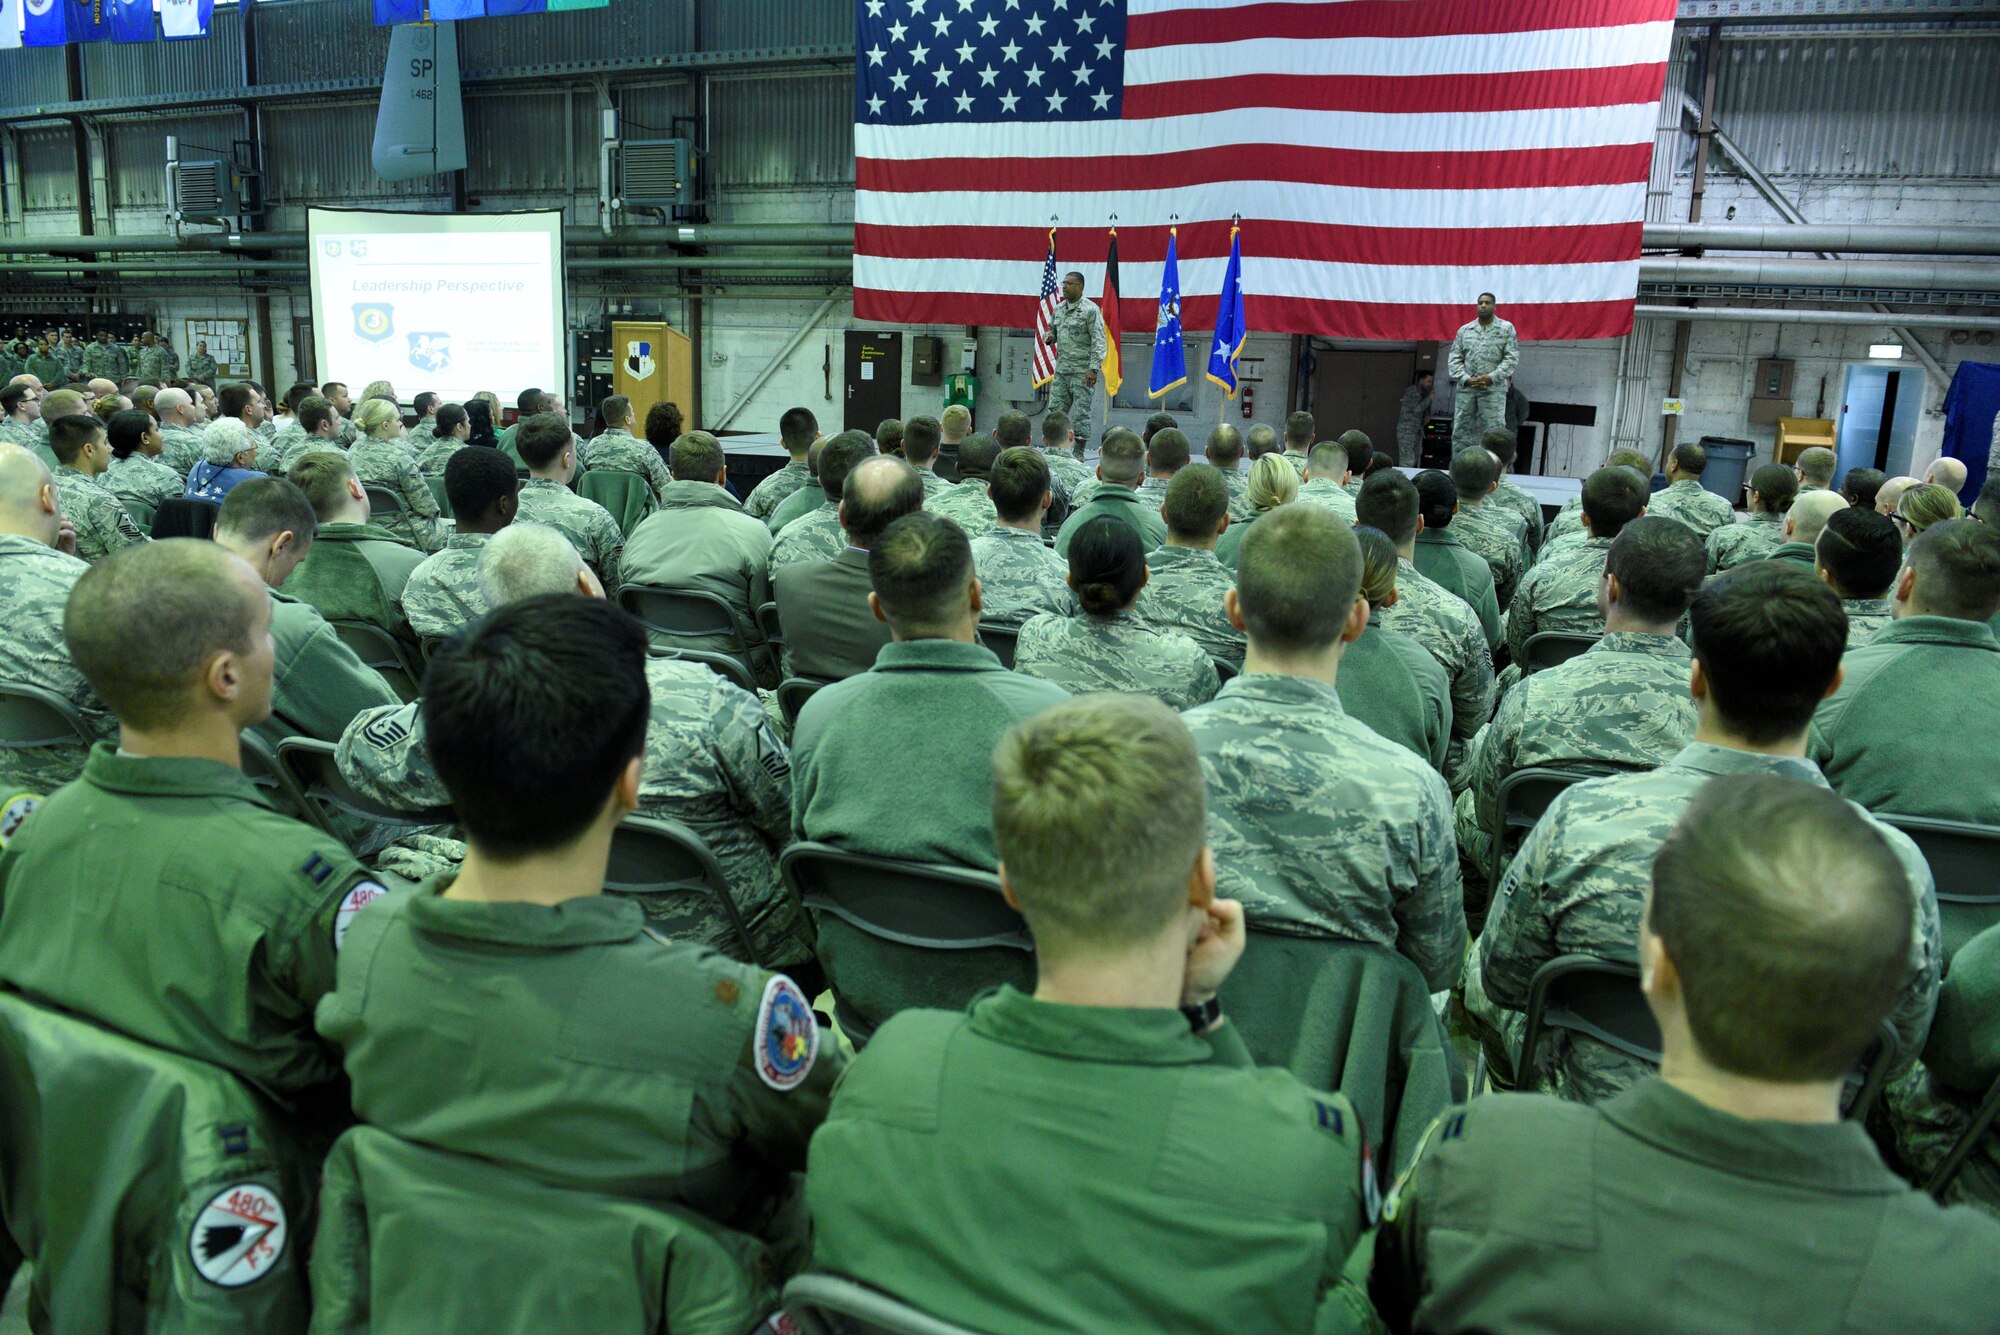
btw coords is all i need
(228, 342)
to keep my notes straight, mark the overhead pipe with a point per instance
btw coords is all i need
(817, 235)
(1861, 238)
(1775, 315)
(1911, 275)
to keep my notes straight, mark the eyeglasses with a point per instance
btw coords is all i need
(1900, 522)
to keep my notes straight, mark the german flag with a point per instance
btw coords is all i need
(1114, 374)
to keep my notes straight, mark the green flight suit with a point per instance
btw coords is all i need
(1441, 558)
(1028, 1168)
(574, 1045)
(798, 503)
(356, 572)
(1142, 513)
(1390, 683)
(48, 370)
(1656, 1213)
(164, 899)
(1879, 744)
(1802, 552)
(319, 684)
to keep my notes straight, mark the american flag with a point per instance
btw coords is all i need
(1391, 159)
(1045, 309)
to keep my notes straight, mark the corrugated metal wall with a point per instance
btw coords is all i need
(783, 131)
(309, 41)
(48, 168)
(320, 152)
(138, 150)
(753, 25)
(122, 70)
(1865, 104)
(31, 77)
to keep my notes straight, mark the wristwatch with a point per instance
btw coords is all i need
(1202, 1017)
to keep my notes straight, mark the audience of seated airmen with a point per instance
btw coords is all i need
(442, 596)
(1560, 593)
(1767, 643)
(1186, 584)
(318, 427)
(615, 448)
(809, 496)
(1485, 525)
(1326, 479)
(382, 458)
(1059, 444)
(1860, 486)
(966, 502)
(136, 475)
(1387, 680)
(1873, 738)
(1858, 554)
(1924, 505)
(159, 895)
(917, 442)
(1271, 485)
(1109, 645)
(1503, 446)
(1300, 428)
(103, 525)
(1773, 488)
(1772, 931)
(1685, 499)
(1362, 460)
(354, 569)
(823, 608)
(228, 456)
(1198, 1193)
(1167, 453)
(548, 447)
(1224, 451)
(1019, 576)
(1441, 558)
(1568, 522)
(815, 534)
(1319, 826)
(450, 430)
(1804, 522)
(1120, 466)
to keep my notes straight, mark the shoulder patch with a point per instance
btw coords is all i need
(16, 810)
(238, 1235)
(351, 903)
(787, 1038)
(1371, 1187)
(384, 732)
(771, 753)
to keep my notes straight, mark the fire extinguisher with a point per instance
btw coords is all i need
(1248, 391)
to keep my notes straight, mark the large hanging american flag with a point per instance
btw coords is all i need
(1391, 159)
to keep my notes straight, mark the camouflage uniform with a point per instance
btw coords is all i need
(1185, 594)
(1020, 577)
(1579, 887)
(70, 355)
(1518, 500)
(967, 505)
(1115, 653)
(816, 536)
(618, 450)
(1568, 521)
(1330, 495)
(1080, 349)
(422, 434)
(297, 448)
(713, 762)
(389, 464)
(202, 367)
(1411, 415)
(34, 589)
(588, 525)
(802, 502)
(18, 433)
(1480, 349)
(1322, 828)
(442, 596)
(1391, 685)
(1623, 702)
(436, 454)
(1450, 633)
(1732, 545)
(100, 361)
(1497, 534)
(766, 496)
(1559, 594)
(1085, 492)
(271, 450)
(151, 366)
(1930, 1108)
(1240, 508)
(1865, 616)
(1067, 470)
(181, 448)
(934, 486)
(1448, 563)
(103, 525)
(147, 481)
(1693, 505)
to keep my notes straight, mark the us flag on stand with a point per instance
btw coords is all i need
(1391, 158)
(1045, 309)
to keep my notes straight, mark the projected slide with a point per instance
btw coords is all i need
(442, 302)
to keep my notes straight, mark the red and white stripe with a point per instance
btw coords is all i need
(1390, 158)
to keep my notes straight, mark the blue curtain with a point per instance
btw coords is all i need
(1970, 406)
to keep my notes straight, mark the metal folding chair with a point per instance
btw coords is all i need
(327, 792)
(1550, 648)
(378, 649)
(1000, 639)
(1965, 862)
(830, 1305)
(656, 861)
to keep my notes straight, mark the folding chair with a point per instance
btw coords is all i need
(767, 622)
(385, 653)
(327, 793)
(628, 496)
(1524, 795)
(385, 503)
(142, 515)
(262, 767)
(830, 1305)
(31, 718)
(656, 862)
(436, 484)
(185, 517)
(1226, 671)
(1000, 639)
(939, 912)
(793, 692)
(732, 669)
(1961, 1150)
(1965, 862)
(692, 617)
(1551, 647)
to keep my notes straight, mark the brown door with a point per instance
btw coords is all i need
(1361, 387)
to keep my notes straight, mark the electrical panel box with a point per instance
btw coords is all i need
(926, 360)
(1015, 377)
(591, 356)
(1774, 378)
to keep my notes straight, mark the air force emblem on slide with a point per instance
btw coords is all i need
(430, 351)
(374, 320)
(787, 1035)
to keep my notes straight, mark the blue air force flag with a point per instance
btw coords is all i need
(1169, 357)
(1229, 326)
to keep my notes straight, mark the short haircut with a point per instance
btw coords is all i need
(798, 428)
(58, 403)
(1107, 564)
(1225, 447)
(1012, 429)
(1260, 440)
(919, 568)
(1632, 459)
(1928, 503)
(331, 389)
(1776, 485)
(143, 622)
(424, 403)
(1957, 569)
(889, 435)
(299, 393)
(1377, 462)
(976, 455)
(323, 476)
(11, 396)
(1297, 576)
(1484, 296)
(259, 508)
(1474, 472)
(1300, 428)
(542, 439)
(1121, 457)
(1168, 451)
(233, 399)
(449, 418)
(1359, 450)
(616, 408)
(1690, 457)
(1501, 444)
(1197, 499)
(920, 439)
(1810, 511)
(1860, 485)
(1788, 920)
(1327, 458)
(1860, 551)
(1613, 498)
(70, 436)
(663, 425)
(1099, 817)
(1388, 501)
(1157, 423)
(695, 457)
(528, 402)
(1769, 636)
(839, 457)
(528, 759)
(1659, 563)
(956, 419)
(1437, 499)
(878, 498)
(315, 413)
(1055, 429)
(1817, 465)
(1378, 564)
(524, 560)
(1273, 482)
(1020, 479)
(477, 480)
(126, 429)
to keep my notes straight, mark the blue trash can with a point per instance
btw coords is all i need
(1728, 462)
